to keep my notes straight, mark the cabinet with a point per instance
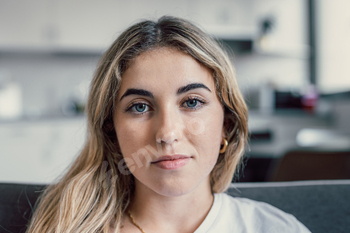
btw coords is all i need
(24, 24)
(87, 25)
(38, 152)
(226, 19)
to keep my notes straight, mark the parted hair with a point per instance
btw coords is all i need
(93, 194)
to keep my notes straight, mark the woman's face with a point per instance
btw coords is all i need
(169, 122)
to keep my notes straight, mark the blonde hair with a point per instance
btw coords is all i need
(93, 193)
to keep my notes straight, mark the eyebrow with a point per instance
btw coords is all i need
(142, 92)
(191, 86)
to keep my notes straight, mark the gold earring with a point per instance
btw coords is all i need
(223, 149)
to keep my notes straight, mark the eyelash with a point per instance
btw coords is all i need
(134, 104)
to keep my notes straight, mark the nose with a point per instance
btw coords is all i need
(168, 126)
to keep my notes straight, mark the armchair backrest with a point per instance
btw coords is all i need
(322, 206)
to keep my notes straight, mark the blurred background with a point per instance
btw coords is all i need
(292, 59)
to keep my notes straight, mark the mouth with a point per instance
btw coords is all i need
(171, 162)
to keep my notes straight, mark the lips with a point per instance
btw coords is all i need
(171, 162)
(170, 157)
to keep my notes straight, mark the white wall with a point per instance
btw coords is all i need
(333, 47)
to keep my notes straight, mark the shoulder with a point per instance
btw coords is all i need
(255, 216)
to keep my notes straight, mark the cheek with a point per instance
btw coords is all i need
(129, 137)
(205, 134)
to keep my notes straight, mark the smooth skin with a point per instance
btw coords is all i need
(172, 121)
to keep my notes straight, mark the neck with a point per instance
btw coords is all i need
(154, 212)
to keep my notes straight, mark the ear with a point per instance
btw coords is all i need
(224, 127)
(223, 134)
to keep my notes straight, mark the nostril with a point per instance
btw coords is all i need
(159, 140)
(168, 138)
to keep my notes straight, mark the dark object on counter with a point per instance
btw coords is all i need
(238, 46)
(312, 164)
(255, 169)
(288, 100)
(261, 136)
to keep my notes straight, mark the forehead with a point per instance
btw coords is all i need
(165, 69)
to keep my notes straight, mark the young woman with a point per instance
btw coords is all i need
(167, 128)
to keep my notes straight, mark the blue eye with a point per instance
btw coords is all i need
(194, 103)
(140, 107)
(191, 103)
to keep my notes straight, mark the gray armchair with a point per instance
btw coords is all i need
(322, 206)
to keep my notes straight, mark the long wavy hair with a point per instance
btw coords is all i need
(93, 194)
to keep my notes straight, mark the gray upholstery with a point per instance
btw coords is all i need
(16, 204)
(323, 206)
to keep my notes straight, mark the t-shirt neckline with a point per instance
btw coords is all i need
(212, 215)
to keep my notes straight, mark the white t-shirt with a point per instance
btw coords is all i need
(237, 215)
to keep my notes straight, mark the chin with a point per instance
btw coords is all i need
(173, 191)
(176, 188)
